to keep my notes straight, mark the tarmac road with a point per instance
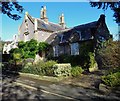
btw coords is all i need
(15, 88)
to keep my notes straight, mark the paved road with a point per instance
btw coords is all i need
(15, 88)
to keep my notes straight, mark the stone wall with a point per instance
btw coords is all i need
(42, 36)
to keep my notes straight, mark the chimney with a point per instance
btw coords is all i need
(62, 21)
(43, 14)
(102, 18)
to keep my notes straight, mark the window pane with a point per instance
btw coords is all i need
(74, 49)
(55, 50)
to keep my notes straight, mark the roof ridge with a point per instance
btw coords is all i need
(30, 17)
(48, 22)
(63, 30)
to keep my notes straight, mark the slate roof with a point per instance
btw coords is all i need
(50, 39)
(56, 33)
(46, 26)
(84, 29)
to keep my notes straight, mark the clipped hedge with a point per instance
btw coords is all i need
(62, 69)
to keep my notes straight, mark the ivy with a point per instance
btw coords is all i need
(43, 46)
(30, 48)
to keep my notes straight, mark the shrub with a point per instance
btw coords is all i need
(92, 59)
(32, 69)
(73, 60)
(76, 71)
(109, 56)
(93, 66)
(47, 67)
(62, 69)
(112, 79)
(41, 68)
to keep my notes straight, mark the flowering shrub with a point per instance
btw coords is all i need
(62, 69)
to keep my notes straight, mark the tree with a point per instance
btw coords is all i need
(114, 5)
(8, 6)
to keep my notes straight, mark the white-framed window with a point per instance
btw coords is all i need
(55, 51)
(74, 49)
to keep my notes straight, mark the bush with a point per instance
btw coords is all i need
(47, 67)
(93, 66)
(74, 60)
(76, 71)
(109, 56)
(112, 79)
(41, 68)
(62, 69)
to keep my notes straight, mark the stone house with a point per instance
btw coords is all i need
(38, 28)
(63, 40)
(69, 41)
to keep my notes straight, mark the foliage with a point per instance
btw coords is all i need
(7, 7)
(82, 59)
(68, 59)
(86, 47)
(43, 46)
(21, 44)
(112, 79)
(76, 71)
(15, 51)
(47, 67)
(16, 56)
(31, 45)
(109, 56)
(41, 68)
(115, 6)
(62, 69)
(28, 68)
(30, 48)
(92, 60)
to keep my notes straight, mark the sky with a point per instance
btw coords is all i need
(75, 13)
